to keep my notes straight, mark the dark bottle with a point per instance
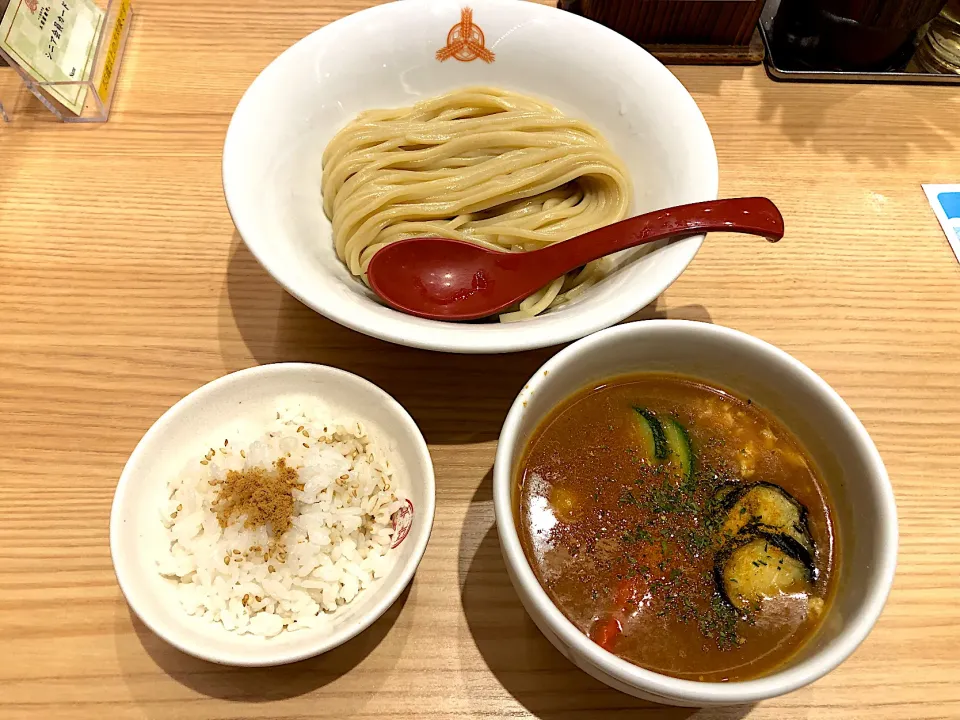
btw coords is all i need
(868, 35)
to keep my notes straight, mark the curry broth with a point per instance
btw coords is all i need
(626, 547)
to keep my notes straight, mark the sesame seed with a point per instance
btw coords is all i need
(205, 462)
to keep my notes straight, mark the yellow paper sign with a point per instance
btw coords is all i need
(122, 17)
(54, 41)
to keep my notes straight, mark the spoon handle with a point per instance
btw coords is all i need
(753, 215)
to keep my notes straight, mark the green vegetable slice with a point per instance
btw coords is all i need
(680, 455)
(653, 443)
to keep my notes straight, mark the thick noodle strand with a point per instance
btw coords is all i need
(488, 166)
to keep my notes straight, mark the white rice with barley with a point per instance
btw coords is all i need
(338, 544)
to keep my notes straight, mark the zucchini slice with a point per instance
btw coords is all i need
(766, 507)
(653, 443)
(678, 448)
(759, 566)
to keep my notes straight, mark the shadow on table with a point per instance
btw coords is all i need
(801, 110)
(523, 661)
(698, 82)
(454, 399)
(658, 311)
(266, 684)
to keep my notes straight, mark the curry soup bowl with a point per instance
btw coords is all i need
(865, 521)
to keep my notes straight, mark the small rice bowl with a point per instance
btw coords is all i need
(339, 543)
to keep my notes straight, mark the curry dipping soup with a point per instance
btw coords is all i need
(678, 526)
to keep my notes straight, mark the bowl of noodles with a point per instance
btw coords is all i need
(508, 124)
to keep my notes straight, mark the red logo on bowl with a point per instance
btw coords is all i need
(31, 5)
(465, 41)
(402, 520)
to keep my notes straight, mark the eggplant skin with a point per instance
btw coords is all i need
(725, 492)
(764, 506)
(758, 565)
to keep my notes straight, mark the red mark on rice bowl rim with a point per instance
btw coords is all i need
(402, 521)
(465, 41)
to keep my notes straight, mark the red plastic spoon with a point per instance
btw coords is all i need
(445, 279)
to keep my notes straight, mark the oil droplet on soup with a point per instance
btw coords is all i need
(566, 505)
(678, 526)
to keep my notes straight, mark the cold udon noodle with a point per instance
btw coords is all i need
(491, 167)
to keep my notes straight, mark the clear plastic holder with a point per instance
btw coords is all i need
(100, 85)
(10, 87)
(17, 102)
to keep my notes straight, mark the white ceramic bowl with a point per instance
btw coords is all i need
(385, 57)
(866, 518)
(235, 407)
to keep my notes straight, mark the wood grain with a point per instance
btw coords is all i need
(123, 286)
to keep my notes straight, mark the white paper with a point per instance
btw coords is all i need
(945, 201)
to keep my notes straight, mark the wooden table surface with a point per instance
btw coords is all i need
(123, 286)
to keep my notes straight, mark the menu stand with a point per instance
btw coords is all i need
(100, 82)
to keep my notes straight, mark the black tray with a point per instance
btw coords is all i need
(776, 71)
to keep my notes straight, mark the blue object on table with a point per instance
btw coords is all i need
(950, 202)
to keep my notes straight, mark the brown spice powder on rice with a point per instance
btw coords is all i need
(264, 496)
